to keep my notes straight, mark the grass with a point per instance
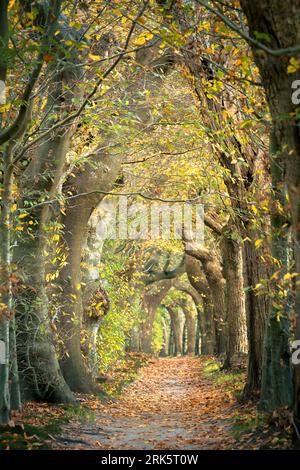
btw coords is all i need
(250, 426)
(234, 380)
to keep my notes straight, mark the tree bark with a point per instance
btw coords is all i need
(235, 301)
(176, 330)
(277, 388)
(99, 173)
(200, 284)
(212, 269)
(41, 376)
(152, 298)
(279, 21)
(190, 319)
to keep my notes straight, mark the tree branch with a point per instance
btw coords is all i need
(274, 52)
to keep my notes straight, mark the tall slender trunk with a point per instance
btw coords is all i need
(6, 287)
(277, 386)
(198, 339)
(257, 309)
(15, 392)
(235, 301)
(165, 349)
(5, 229)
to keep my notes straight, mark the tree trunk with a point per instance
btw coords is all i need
(199, 282)
(15, 392)
(40, 373)
(6, 290)
(5, 231)
(198, 333)
(235, 301)
(212, 269)
(151, 300)
(165, 349)
(190, 319)
(280, 22)
(176, 329)
(256, 308)
(101, 173)
(277, 385)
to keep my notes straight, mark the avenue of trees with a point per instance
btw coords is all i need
(159, 102)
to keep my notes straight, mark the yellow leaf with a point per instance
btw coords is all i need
(254, 209)
(258, 243)
(4, 108)
(94, 57)
(294, 65)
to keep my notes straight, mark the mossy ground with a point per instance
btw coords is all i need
(257, 430)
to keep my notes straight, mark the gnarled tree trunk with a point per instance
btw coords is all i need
(211, 267)
(100, 173)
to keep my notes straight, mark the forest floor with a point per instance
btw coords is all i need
(175, 403)
(166, 403)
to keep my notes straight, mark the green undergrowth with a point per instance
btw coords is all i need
(123, 374)
(251, 428)
(233, 380)
(259, 431)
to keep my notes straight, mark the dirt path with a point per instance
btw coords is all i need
(170, 406)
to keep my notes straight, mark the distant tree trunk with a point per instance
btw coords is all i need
(171, 342)
(15, 392)
(199, 282)
(184, 338)
(190, 321)
(152, 298)
(212, 270)
(198, 332)
(96, 306)
(176, 330)
(165, 349)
